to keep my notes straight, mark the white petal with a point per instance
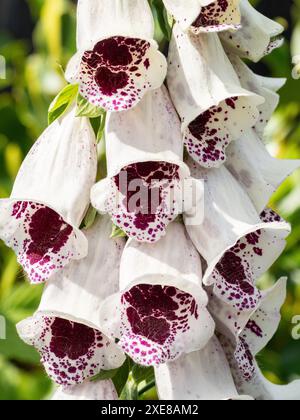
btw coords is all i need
(234, 239)
(185, 16)
(162, 272)
(149, 132)
(88, 391)
(218, 16)
(256, 170)
(99, 19)
(41, 219)
(77, 292)
(257, 326)
(146, 140)
(208, 96)
(71, 352)
(256, 38)
(65, 151)
(202, 375)
(263, 86)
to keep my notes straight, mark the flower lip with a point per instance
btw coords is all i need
(221, 15)
(117, 72)
(152, 318)
(42, 239)
(71, 352)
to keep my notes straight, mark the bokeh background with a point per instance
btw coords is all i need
(37, 37)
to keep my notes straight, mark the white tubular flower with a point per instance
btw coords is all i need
(203, 375)
(117, 60)
(144, 152)
(296, 70)
(237, 244)
(258, 36)
(258, 331)
(256, 170)
(205, 15)
(263, 86)
(66, 329)
(208, 96)
(160, 312)
(87, 391)
(41, 219)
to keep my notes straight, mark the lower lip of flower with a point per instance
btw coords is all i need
(152, 319)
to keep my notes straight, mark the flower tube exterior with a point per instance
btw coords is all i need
(146, 173)
(87, 391)
(259, 173)
(66, 329)
(241, 351)
(257, 37)
(205, 15)
(208, 96)
(237, 244)
(117, 60)
(41, 219)
(160, 312)
(263, 86)
(203, 375)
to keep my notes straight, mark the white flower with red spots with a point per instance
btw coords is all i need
(237, 244)
(144, 149)
(66, 329)
(213, 106)
(202, 376)
(41, 219)
(117, 60)
(160, 312)
(205, 15)
(250, 340)
(257, 37)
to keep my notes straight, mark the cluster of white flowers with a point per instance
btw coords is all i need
(179, 296)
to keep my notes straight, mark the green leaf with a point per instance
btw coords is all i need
(90, 217)
(140, 373)
(86, 109)
(163, 19)
(62, 102)
(101, 127)
(117, 233)
(104, 375)
(121, 378)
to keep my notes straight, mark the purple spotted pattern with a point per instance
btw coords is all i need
(70, 352)
(233, 275)
(154, 321)
(245, 359)
(144, 216)
(114, 75)
(208, 136)
(217, 16)
(43, 241)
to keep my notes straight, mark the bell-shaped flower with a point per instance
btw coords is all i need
(241, 350)
(266, 87)
(160, 312)
(259, 173)
(118, 60)
(144, 149)
(66, 329)
(41, 219)
(257, 37)
(296, 69)
(208, 96)
(205, 15)
(237, 244)
(87, 391)
(202, 375)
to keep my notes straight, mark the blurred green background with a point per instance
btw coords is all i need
(37, 37)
